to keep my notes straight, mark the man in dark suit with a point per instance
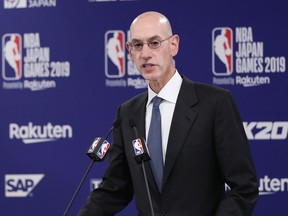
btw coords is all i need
(203, 144)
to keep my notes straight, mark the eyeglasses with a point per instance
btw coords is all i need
(152, 44)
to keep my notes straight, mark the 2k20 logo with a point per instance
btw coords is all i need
(114, 54)
(222, 51)
(12, 57)
(266, 130)
(21, 185)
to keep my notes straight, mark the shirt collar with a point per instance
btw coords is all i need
(169, 92)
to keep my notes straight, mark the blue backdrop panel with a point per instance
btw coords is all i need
(65, 70)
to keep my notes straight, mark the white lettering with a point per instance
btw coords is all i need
(38, 54)
(21, 185)
(270, 186)
(137, 83)
(249, 65)
(244, 34)
(31, 40)
(252, 81)
(42, 3)
(266, 130)
(255, 49)
(115, 83)
(36, 133)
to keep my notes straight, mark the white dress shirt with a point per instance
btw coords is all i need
(169, 94)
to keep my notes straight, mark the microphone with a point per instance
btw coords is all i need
(141, 156)
(100, 145)
(140, 150)
(96, 152)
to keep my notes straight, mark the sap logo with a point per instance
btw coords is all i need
(94, 183)
(270, 186)
(21, 185)
(277, 130)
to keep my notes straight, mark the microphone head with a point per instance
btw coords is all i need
(140, 150)
(98, 149)
(138, 147)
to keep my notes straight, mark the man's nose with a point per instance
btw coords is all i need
(146, 50)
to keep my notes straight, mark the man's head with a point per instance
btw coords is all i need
(155, 63)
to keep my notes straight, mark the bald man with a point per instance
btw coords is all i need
(203, 144)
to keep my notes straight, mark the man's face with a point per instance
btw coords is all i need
(153, 64)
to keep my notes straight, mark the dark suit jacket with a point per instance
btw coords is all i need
(207, 148)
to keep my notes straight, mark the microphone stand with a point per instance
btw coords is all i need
(142, 158)
(79, 187)
(147, 188)
(94, 158)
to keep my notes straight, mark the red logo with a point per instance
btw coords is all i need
(12, 57)
(114, 54)
(222, 51)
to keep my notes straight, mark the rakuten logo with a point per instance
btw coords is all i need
(277, 130)
(270, 186)
(39, 133)
(21, 185)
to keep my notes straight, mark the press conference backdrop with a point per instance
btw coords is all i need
(65, 71)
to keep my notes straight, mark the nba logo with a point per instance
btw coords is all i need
(11, 58)
(94, 144)
(114, 54)
(138, 148)
(222, 51)
(103, 149)
(9, 4)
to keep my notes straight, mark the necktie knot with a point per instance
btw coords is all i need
(156, 101)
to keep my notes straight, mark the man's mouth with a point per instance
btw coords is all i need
(147, 65)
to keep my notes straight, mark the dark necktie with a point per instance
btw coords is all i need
(155, 143)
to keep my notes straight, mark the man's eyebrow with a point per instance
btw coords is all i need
(135, 40)
(151, 38)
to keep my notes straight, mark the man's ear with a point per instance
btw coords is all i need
(129, 49)
(174, 45)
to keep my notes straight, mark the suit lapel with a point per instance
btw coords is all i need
(182, 121)
(138, 114)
